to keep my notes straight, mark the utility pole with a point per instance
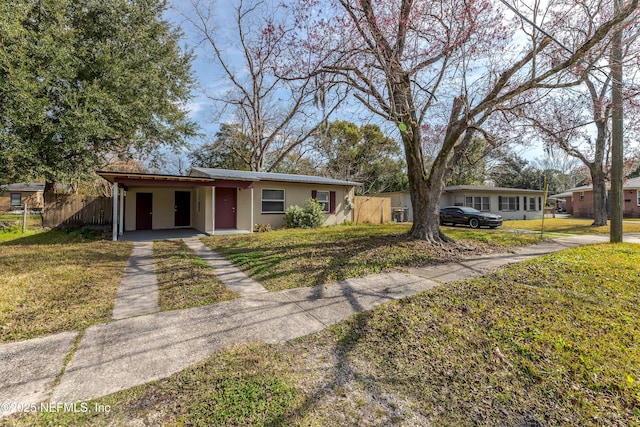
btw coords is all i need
(617, 140)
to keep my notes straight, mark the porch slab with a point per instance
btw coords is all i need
(151, 235)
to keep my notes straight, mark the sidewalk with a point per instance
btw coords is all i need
(133, 351)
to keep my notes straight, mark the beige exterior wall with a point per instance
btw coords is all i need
(243, 211)
(202, 212)
(163, 207)
(298, 194)
(202, 207)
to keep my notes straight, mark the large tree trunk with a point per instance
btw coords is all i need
(599, 196)
(425, 191)
(49, 193)
(425, 196)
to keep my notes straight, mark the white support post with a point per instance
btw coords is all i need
(121, 219)
(252, 224)
(115, 212)
(213, 210)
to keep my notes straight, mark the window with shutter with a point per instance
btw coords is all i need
(322, 197)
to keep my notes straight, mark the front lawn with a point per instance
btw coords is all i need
(294, 258)
(550, 341)
(57, 281)
(184, 280)
(568, 225)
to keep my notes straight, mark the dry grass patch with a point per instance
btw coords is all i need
(184, 280)
(551, 341)
(294, 258)
(568, 225)
(57, 281)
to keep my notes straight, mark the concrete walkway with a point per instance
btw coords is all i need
(228, 273)
(133, 351)
(138, 291)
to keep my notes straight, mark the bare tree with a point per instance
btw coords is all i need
(409, 60)
(277, 111)
(574, 114)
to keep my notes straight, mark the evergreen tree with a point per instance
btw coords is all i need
(81, 80)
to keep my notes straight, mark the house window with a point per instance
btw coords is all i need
(532, 203)
(272, 201)
(582, 195)
(327, 199)
(480, 203)
(16, 199)
(322, 197)
(638, 193)
(509, 203)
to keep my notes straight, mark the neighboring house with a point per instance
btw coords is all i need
(511, 203)
(221, 199)
(582, 199)
(563, 201)
(14, 196)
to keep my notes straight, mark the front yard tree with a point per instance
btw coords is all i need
(84, 80)
(410, 60)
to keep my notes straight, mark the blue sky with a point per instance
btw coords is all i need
(209, 77)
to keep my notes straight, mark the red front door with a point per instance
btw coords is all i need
(144, 211)
(225, 207)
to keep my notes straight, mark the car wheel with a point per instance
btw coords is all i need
(474, 223)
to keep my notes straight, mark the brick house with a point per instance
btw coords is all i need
(582, 199)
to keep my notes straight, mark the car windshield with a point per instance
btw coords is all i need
(469, 210)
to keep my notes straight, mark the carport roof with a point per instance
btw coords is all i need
(152, 179)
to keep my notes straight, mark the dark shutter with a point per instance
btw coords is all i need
(332, 202)
(517, 203)
(524, 203)
(499, 203)
(314, 194)
(539, 203)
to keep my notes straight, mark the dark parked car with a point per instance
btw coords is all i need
(469, 216)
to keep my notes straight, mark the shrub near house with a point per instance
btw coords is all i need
(309, 216)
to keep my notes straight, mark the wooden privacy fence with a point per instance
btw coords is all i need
(372, 210)
(72, 210)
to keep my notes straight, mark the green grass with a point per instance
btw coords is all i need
(11, 226)
(184, 280)
(567, 225)
(57, 281)
(551, 341)
(293, 258)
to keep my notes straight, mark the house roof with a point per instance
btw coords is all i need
(214, 177)
(561, 195)
(23, 186)
(489, 189)
(632, 183)
(235, 175)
